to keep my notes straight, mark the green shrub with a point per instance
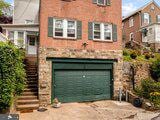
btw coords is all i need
(12, 73)
(155, 70)
(149, 89)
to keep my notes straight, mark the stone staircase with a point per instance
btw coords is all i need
(28, 101)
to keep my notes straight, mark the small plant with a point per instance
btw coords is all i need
(133, 55)
(147, 56)
(155, 70)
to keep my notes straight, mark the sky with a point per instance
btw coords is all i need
(128, 6)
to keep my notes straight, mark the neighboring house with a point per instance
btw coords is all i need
(3, 37)
(143, 26)
(80, 52)
(24, 31)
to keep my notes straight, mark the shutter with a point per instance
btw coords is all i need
(50, 27)
(114, 33)
(94, 1)
(90, 31)
(150, 19)
(108, 2)
(142, 18)
(79, 29)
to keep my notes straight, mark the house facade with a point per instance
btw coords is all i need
(24, 31)
(142, 26)
(80, 50)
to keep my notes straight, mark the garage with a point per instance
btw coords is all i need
(82, 80)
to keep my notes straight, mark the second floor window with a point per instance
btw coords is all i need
(158, 18)
(146, 18)
(64, 28)
(102, 31)
(131, 22)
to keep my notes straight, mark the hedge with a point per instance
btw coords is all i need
(12, 73)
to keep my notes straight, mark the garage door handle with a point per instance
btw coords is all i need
(54, 85)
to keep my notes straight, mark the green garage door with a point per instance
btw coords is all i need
(82, 85)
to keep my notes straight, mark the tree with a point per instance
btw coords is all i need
(3, 5)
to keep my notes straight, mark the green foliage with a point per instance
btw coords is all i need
(12, 73)
(149, 89)
(155, 70)
(3, 5)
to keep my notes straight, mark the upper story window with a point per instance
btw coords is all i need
(158, 18)
(131, 22)
(146, 18)
(102, 2)
(102, 31)
(64, 28)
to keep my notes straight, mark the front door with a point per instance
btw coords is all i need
(32, 44)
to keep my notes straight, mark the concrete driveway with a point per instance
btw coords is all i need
(101, 110)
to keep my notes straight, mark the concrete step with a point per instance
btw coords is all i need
(35, 75)
(32, 82)
(30, 89)
(30, 93)
(32, 97)
(27, 107)
(32, 86)
(24, 102)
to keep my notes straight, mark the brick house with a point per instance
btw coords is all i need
(80, 51)
(142, 26)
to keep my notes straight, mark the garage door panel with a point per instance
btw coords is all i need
(82, 85)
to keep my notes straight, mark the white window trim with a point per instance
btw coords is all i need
(131, 22)
(102, 37)
(158, 18)
(101, 4)
(65, 26)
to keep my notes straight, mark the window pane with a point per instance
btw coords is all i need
(97, 35)
(71, 29)
(59, 28)
(107, 32)
(32, 41)
(102, 2)
(158, 18)
(71, 25)
(146, 18)
(58, 24)
(96, 27)
(20, 35)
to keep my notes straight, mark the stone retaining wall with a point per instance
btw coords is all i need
(141, 73)
(45, 67)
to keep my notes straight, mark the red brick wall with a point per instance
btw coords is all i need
(85, 11)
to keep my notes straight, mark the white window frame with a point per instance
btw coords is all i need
(147, 14)
(131, 22)
(158, 18)
(100, 3)
(130, 35)
(65, 28)
(102, 31)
